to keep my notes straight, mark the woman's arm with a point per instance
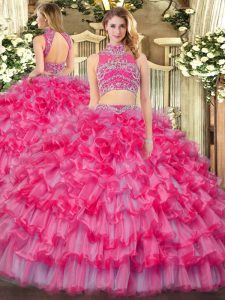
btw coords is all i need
(92, 63)
(69, 62)
(39, 57)
(145, 102)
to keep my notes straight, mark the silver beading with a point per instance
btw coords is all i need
(117, 109)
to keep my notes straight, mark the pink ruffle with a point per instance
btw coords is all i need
(82, 210)
(27, 110)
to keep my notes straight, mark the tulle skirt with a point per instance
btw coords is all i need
(82, 209)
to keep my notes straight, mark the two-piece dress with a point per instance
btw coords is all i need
(82, 210)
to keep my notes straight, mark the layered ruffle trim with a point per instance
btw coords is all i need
(30, 106)
(82, 209)
(29, 109)
(91, 195)
(77, 277)
(145, 239)
(45, 95)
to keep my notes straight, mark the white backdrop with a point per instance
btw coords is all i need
(17, 11)
(209, 14)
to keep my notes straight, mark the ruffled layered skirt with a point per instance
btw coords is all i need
(81, 208)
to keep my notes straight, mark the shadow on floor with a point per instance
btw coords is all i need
(9, 291)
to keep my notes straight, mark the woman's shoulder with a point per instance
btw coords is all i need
(142, 61)
(142, 57)
(38, 39)
(93, 58)
(66, 35)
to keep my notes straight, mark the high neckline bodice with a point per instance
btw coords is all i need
(117, 70)
(115, 49)
(48, 29)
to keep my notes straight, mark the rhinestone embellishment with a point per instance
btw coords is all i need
(117, 70)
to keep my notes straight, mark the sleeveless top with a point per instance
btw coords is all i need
(117, 70)
(49, 35)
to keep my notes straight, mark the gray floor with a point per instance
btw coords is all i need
(9, 291)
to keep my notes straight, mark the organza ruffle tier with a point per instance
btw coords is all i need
(81, 209)
(28, 108)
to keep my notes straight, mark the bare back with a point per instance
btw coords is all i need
(58, 51)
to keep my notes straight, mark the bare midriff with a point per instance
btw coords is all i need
(118, 97)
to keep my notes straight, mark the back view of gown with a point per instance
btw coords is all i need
(27, 108)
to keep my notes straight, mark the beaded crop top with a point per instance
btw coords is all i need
(53, 68)
(117, 70)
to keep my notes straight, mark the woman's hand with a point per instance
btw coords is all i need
(147, 149)
(34, 74)
(31, 77)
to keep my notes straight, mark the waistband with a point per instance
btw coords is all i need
(118, 109)
(53, 67)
